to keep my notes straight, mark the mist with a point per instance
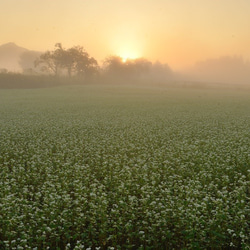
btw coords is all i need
(139, 70)
(124, 124)
(225, 69)
(21, 66)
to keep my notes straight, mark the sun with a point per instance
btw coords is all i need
(126, 44)
(125, 59)
(128, 56)
(128, 53)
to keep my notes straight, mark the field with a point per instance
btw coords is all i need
(124, 167)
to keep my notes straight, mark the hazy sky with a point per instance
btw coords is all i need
(177, 32)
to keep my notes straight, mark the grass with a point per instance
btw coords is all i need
(124, 167)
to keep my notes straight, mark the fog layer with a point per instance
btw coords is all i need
(222, 70)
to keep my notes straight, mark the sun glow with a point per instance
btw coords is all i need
(127, 44)
(124, 59)
(128, 56)
(128, 52)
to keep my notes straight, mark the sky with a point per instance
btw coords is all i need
(176, 32)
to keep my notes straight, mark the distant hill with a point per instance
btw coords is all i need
(15, 58)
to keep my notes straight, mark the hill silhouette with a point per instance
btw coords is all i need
(9, 56)
(15, 58)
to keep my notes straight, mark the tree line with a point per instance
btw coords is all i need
(75, 61)
(72, 61)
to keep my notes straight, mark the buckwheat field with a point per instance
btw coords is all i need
(124, 167)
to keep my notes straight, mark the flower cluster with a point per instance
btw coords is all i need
(98, 167)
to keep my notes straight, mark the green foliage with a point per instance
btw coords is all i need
(105, 167)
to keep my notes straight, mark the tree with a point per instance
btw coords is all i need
(132, 68)
(75, 60)
(139, 70)
(113, 65)
(50, 60)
